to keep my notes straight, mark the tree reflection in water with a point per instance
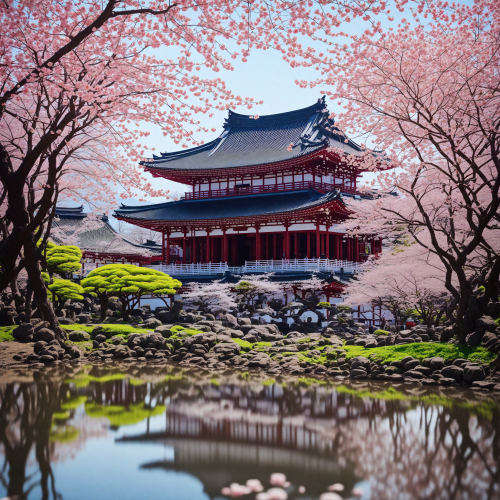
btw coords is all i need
(407, 442)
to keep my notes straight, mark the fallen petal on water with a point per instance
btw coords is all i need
(330, 496)
(278, 479)
(336, 487)
(255, 485)
(277, 494)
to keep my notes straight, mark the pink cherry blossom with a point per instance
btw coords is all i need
(277, 479)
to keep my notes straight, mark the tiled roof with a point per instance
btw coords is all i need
(247, 141)
(222, 208)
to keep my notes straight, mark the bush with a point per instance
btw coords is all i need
(324, 304)
(381, 332)
(343, 308)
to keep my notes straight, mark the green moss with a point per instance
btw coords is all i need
(82, 328)
(64, 434)
(324, 304)
(188, 331)
(6, 333)
(73, 403)
(381, 332)
(421, 351)
(245, 346)
(214, 381)
(121, 415)
(304, 340)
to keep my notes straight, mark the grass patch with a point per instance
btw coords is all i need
(82, 328)
(245, 346)
(420, 351)
(121, 415)
(6, 333)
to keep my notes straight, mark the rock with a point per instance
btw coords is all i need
(166, 317)
(45, 334)
(436, 363)
(250, 337)
(39, 346)
(229, 349)
(473, 338)
(424, 370)
(413, 374)
(473, 373)
(493, 309)
(83, 318)
(100, 338)
(24, 332)
(229, 320)
(46, 358)
(207, 339)
(484, 384)
(360, 362)
(406, 359)
(392, 369)
(151, 324)
(485, 324)
(66, 321)
(411, 364)
(73, 351)
(446, 381)
(78, 336)
(358, 373)
(260, 360)
(460, 362)
(446, 334)
(454, 372)
(489, 338)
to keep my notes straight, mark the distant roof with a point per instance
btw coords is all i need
(232, 207)
(247, 141)
(102, 239)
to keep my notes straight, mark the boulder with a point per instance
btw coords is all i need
(227, 349)
(44, 334)
(473, 373)
(24, 332)
(73, 351)
(446, 334)
(406, 359)
(360, 362)
(436, 363)
(166, 317)
(100, 338)
(485, 324)
(411, 364)
(151, 324)
(66, 321)
(229, 320)
(260, 360)
(359, 373)
(46, 358)
(493, 309)
(425, 370)
(489, 338)
(39, 346)
(78, 336)
(453, 372)
(207, 339)
(413, 374)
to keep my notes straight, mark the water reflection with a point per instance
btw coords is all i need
(81, 432)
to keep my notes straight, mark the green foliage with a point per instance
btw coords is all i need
(324, 304)
(343, 308)
(63, 259)
(381, 332)
(121, 415)
(83, 328)
(244, 286)
(245, 346)
(6, 333)
(127, 279)
(111, 330)
(65, 289)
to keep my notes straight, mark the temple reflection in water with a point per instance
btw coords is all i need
(193, 431)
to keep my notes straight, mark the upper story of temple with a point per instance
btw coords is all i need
(290, 151)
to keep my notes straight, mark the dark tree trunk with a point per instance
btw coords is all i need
(39, 289)
(103, 300)
(27, 302)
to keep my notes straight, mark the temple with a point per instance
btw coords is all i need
(267, 194)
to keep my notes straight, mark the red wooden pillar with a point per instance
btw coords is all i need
(318, 241)
(184, 248)
(167, 248)
(296, 244)
(208, 253)
(194, 252)
(287, 242)
(162, 249)
(257, 243)
(225, 249)
(308, 244)
(327, 236)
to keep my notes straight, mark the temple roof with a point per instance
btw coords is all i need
(232, 207)
(247, 141)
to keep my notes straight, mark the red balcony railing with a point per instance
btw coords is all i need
(271, 188)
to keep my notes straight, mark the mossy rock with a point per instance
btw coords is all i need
(381, 332)
(78, 336)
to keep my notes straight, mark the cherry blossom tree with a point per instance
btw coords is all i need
(425, 89)
(211, 296)
(79, 77)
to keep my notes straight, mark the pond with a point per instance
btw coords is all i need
(82, 432)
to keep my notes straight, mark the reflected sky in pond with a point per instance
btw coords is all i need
(163, 433)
